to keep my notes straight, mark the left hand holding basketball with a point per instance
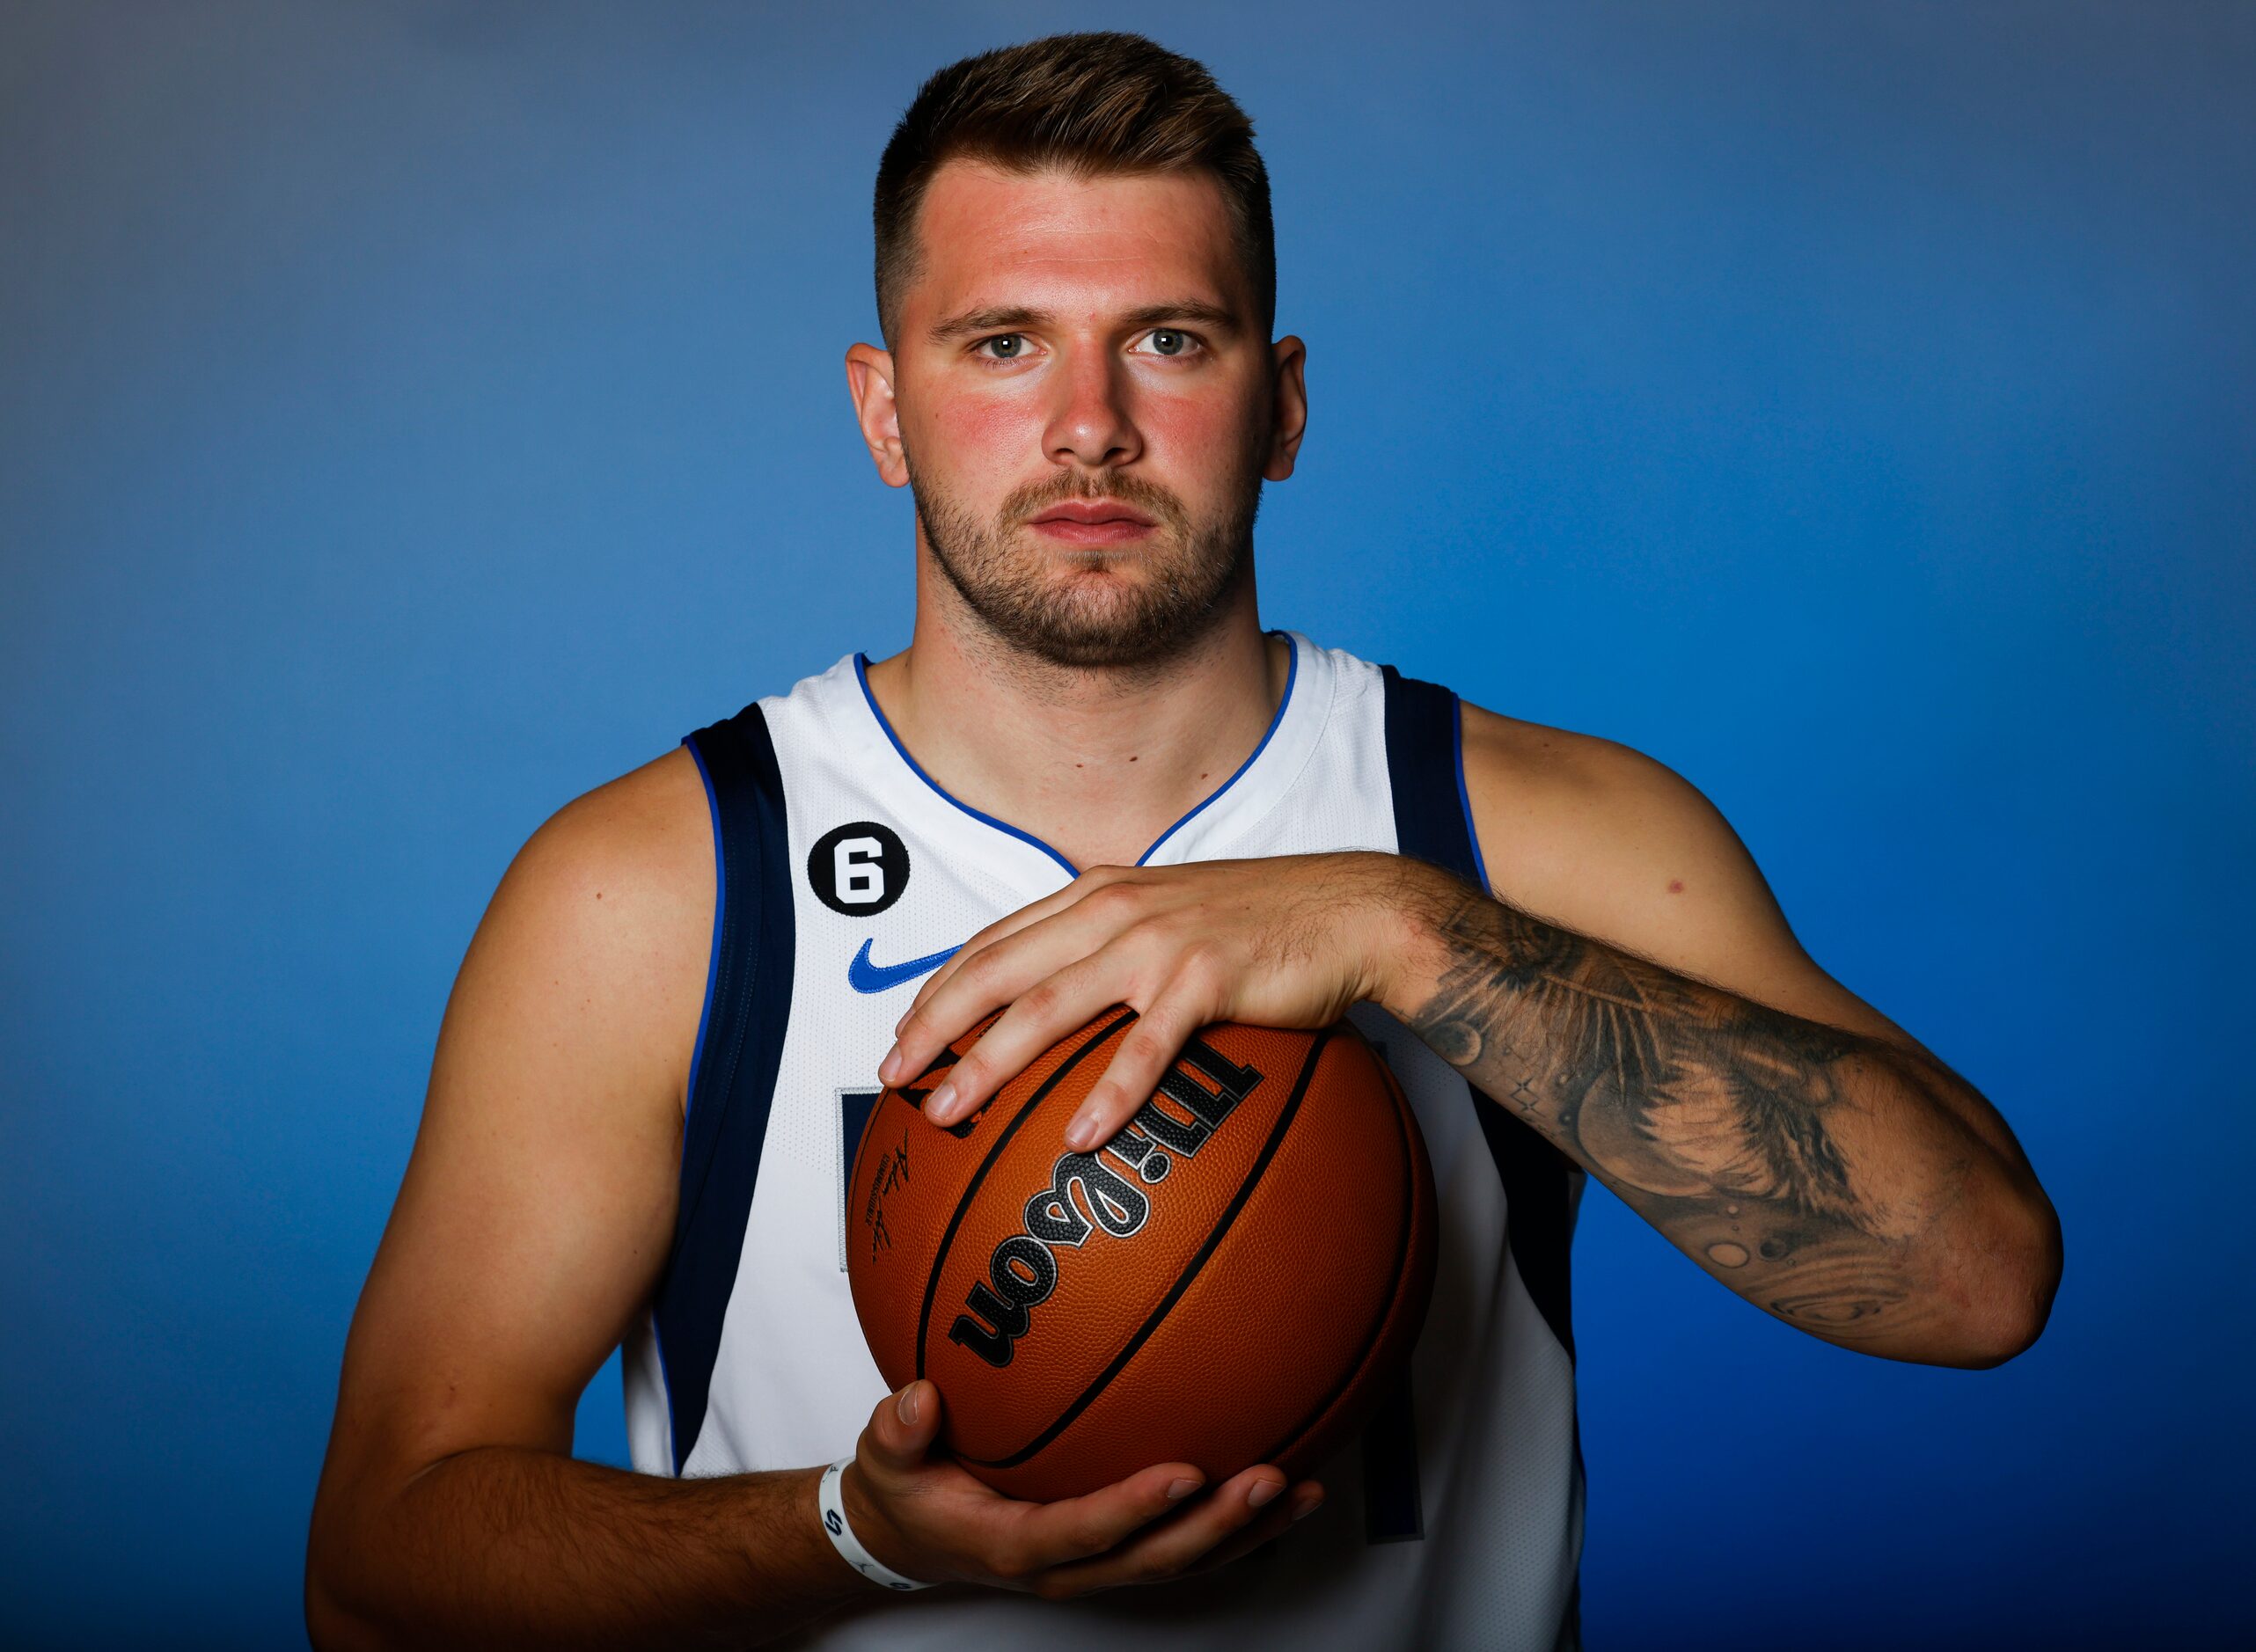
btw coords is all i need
(1288, 941)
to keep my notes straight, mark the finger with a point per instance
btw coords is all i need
(978, 979)
(1052, 1534)
(994, 980)
(963, 955)
(994, 977)
(1048, 905)
(1146, 1051)
(1307, 1498)
(901, 1429)
(1169, 1549)
(1052, 1009)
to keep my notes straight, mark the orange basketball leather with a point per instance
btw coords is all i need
(1232, 1280)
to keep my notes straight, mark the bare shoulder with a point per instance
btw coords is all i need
(650, 825)
(538, 1200)
(1567, 819)
(1598, 837)
(606, 913)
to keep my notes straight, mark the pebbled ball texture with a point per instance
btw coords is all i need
(1234, 1279)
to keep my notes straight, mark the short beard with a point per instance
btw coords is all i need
(1058, 623)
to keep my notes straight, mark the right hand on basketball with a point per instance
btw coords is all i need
(927, 1518)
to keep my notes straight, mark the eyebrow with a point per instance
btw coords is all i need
(1017, 317)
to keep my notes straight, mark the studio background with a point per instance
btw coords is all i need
(414, 415)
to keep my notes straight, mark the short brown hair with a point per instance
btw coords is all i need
(1091, 104)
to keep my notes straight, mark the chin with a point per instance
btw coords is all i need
(1100, 610)
(1099, 589)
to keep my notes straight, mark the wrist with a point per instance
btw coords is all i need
(849, 1519)
(1411, 953)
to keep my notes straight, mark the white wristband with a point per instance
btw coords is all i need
(833, 1503)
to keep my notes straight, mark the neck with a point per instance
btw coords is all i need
(1096, 762)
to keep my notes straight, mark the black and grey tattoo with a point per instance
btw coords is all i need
(1728, 1125)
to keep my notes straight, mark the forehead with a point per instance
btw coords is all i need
(1054, 240)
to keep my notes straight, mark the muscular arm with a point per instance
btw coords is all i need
(519, 1547)
(1798, 1147)
(1630, 991)
(531, 1229)
(531, 1225)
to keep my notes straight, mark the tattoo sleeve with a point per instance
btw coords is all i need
(1798, 1163)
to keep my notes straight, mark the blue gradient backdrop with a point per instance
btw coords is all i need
(412, 415)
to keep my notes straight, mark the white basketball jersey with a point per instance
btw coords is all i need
(845, 874)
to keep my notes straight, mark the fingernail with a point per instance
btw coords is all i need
(1081, 1135)
(885, 1073)
(1263, 1493)
(1308, 1507)
(938, 1103)
(906, 1405)
(1178, 1489)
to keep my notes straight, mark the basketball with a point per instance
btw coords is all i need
(1235, 1278)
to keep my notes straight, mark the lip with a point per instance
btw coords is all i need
(1090, 513)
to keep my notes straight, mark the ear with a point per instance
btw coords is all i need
(1289, 384)
(870, 381)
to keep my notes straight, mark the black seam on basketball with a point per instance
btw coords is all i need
(947, 1057)
(1402, 1116)
(1183, 1281)
(1002, 1140)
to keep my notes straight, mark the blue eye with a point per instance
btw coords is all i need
(1007, 346)
(1166, 342)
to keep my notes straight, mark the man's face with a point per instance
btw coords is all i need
(1086, 407)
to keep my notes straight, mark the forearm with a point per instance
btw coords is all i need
(1852, 1187)
(511, 1546)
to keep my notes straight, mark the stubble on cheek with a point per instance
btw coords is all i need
(1084, 608)
(1140, 604)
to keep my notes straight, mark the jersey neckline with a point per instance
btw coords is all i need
(1276, 721)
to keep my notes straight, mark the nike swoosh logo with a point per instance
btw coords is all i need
(865, 976)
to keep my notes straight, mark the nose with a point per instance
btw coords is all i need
(1090, 422)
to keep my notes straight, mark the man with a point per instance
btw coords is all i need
(1094, 763)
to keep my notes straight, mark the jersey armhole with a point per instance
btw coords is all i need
(734, 1068)
(720, 910)
(1465, 797)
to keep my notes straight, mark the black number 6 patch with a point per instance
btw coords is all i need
(859, 869)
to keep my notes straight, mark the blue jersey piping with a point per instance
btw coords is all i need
(1464, 798)
(704, 1020)
(713, 956)
(1291, 674)
(666, 1386)
(861, 675)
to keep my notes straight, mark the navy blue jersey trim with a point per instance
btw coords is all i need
(1464, 797)
(719, 907)
(1432, 821)
(1276, 720)
(1394, 1510)
(747, 997)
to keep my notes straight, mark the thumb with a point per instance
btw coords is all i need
(902, 1429)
